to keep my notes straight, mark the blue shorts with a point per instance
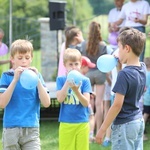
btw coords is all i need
(128, 136)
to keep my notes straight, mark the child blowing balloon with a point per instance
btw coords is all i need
(74, 99)
(21, 105)
(125, 114)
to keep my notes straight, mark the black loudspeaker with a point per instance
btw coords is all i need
(57, 15)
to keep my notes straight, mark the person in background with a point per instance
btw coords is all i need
(134, 14)
(86, 65)
(73, 38)
(4, 46)
(112, 17)
(146, 96)
(74, 101)
(93, 48)
(124, 114)
(21, 106)
(107, 104)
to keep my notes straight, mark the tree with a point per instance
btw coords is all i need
(101, 6)
(26, 13)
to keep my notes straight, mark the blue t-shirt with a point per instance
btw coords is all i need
(71, 110)
(130, 83)
(23, 110)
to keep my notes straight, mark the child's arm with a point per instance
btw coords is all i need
(43, 95)
(61, 94)
(83, 98)
(111, 115)
(6, 96)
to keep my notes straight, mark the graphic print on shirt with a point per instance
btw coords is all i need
(134, 14)
(71, 98)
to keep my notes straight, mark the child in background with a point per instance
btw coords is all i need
(146, 96)
(124, 114)
(21, 106)
(74, 99)
(86, 64)
(73, 38)
(107, 103)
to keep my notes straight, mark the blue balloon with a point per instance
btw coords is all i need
(106, 63)
(75, 75)
(28, 79)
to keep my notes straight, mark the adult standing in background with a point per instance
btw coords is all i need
(135, 13)
(93, 48)
(113, 17)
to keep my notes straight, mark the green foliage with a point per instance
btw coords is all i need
(83, 11)
(101, 6)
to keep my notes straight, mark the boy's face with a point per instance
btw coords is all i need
(72, 65)
(23, 60)
(122, 53)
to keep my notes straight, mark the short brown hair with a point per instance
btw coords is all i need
(71, 55)
(21, 46)
(133, 38)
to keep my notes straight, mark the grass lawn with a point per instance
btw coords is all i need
(49, 137)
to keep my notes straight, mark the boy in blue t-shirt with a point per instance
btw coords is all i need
(21, 105)
(125, 114)
(74, 99)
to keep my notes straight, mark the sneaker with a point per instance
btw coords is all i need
(106, 143)
(92, 139)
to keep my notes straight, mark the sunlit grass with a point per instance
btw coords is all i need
(49, 137)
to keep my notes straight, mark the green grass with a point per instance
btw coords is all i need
(49, 137)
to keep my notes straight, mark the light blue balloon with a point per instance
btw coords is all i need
(28, 79)
(106, 63)
(75, 76)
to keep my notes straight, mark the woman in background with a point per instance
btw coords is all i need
(93, 48)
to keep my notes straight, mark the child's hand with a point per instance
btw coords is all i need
(72, 85)
(34, 69)
(18, 72)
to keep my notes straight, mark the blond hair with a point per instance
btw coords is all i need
(71, 55)
(21, 46)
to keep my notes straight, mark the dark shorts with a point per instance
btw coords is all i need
(96, 77)
(146, 109)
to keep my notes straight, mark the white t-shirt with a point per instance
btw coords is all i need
(113, 17)
(132, 10)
